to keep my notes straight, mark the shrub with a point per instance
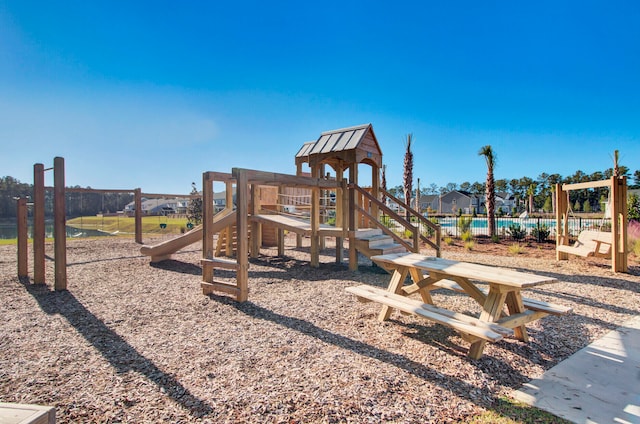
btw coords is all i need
(469, 245)
(464, 223)
(466, 236)
(540, 233)
(386, 220)
(633, 207)
(634, 246)
(448, 241)
(495, 238)
(517, 232)
(516, 249)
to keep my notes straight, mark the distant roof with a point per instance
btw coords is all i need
(342, 147)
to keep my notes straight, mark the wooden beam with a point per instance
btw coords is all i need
(163, 195)
(272, 178)
(589, 184)
(219, 176)
(97, 190)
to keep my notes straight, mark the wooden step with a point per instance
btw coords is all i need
(220, 286)
(387, 249)
(377, 240)
(367, 232)
(218, 262)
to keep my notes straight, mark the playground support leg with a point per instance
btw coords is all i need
(23, 255)
(60, 224)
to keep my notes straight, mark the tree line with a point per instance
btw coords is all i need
(536, 194)
(77, 204)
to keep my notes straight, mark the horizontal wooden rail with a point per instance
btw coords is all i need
(434, 227)
(387, 231)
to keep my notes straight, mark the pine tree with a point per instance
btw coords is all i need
(384, 183)
(407, 178)
(194, 210)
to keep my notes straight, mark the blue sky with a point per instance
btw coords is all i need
(151, 94)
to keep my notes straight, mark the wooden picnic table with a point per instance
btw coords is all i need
(494, 322)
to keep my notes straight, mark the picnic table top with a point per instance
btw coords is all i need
(467, 270)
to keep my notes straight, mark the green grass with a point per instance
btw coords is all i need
(118, 224)
(509, 411)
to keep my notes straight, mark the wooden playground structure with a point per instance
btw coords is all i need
(357, 211)
(593, 242)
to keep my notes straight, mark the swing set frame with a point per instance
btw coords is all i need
(618, 198)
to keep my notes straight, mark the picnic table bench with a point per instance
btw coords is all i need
(494, 322)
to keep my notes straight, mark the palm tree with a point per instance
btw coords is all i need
(490, 158)
(384, 183)
(407, 178)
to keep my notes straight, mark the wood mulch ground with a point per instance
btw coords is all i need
(134, 342)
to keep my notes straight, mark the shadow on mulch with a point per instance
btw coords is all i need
(177, 266)
(446, 382)
(121, 355)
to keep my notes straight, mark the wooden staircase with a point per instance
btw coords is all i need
(372, 241)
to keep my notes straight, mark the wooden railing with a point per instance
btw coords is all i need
(430, 226)
(416, 235)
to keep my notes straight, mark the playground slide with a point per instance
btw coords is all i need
(162, 251)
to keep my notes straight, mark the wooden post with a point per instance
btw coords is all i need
(137, 198)
(562, 222)
(315, 219)
(207, 217)
(340, 221)
(375, 192)
(228, 195)
(624, 219)
(23, 254)
(280, 233)
(38, 224)
(242, 195)
(315, 226)
(255, 226)
(59, 224)
(618, 224)
(353, 226)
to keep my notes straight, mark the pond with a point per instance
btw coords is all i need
(9, 230)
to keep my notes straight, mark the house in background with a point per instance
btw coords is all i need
(159, 206)
(220, 200)
(458, 200)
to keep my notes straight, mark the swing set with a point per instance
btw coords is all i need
(591, 242)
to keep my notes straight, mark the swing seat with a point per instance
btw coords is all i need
(590, 243)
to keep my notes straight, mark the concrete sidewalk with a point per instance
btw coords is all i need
(598, 384)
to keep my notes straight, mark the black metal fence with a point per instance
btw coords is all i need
(538, 229)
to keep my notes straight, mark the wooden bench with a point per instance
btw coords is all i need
(532, 304)
(589, 243)
(467, 325)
